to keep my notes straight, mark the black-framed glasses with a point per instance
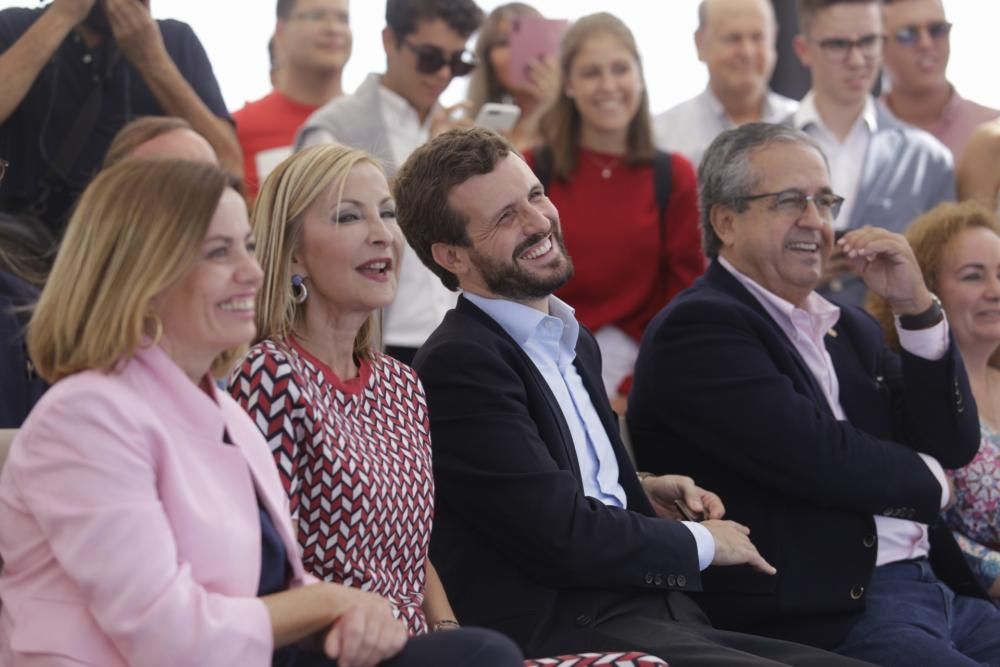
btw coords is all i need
(430, 59)
(909, 35)
(3, 168)
(794, 203)
(838, 49)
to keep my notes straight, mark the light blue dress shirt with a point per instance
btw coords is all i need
(550, 343)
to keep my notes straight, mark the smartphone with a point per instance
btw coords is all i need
(531, 39)
(498, 117)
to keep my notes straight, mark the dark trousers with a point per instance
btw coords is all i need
(911, 618)
(466, 647)
(676, 629)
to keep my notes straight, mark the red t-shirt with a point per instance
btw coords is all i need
(262, 126)
(626, 269)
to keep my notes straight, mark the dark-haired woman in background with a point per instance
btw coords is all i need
(492, 82)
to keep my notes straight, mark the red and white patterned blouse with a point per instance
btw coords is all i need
(355, 459)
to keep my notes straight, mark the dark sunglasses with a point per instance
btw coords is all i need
(3, 168)
(431, 59)
(910, 34)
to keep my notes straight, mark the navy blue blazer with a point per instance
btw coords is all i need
(722, 395)
(20, 387)
(517, 544)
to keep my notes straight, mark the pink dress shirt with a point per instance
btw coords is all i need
(959, 119)
(806, 327)
(130, 526)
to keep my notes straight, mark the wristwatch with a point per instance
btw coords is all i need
(924, 320)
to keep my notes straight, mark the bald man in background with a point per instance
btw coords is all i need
(735, 39)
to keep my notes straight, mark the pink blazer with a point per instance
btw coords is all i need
(130, 531)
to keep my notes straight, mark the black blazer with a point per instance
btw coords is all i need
(517, 544)
(721, 394)
(20, 387)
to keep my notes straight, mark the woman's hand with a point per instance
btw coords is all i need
(366, 633)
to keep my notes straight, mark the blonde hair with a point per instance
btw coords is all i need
(277, 220)
(929, 235)
(136, 231)
(560, 126)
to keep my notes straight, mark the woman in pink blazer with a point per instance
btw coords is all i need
(142, 519)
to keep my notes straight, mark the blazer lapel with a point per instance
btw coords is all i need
(718, 277)
(467, 307)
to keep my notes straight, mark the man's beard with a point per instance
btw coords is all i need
(509, 280)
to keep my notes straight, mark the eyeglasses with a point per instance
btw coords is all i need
(3, 168)
(909, 35)
(838, 50)
(431, 59)
(319, 15)
(794, 203)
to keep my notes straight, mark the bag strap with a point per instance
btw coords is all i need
(663, 180)
(543, 165)
(57, 175)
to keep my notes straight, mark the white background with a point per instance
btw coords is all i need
(235, 34)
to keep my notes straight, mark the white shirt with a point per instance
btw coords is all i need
(847, 157)
(806, 327)
(550, 343)
(692, 125)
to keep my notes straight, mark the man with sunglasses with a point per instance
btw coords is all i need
(916, 57)
(887, 172)
(825, 444)
(392, 114)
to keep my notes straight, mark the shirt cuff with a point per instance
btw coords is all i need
(930, 344)
(706, 543)
(939, 475)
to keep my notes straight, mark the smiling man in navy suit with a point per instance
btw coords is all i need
(542, 528)
(828, 446)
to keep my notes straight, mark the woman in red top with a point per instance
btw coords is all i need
(629, 262)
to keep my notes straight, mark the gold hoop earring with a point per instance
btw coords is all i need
(157, 328)
(299, 291)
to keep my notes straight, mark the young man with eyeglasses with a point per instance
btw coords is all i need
(887, 172)
(390, 115)
(916, 57)
(829, 447)
(310, 48)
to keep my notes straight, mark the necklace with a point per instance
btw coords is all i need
(607, 168)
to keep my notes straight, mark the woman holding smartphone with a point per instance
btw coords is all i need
(631, 254)
(492, 83)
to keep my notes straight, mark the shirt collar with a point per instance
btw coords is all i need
(523, 323)
(770, 113)
(808, 114)
(395, 106)
(819, 314)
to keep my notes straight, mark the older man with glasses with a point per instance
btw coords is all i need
(916, 57)
(392, 114)
(888, 172)
(825, 444)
